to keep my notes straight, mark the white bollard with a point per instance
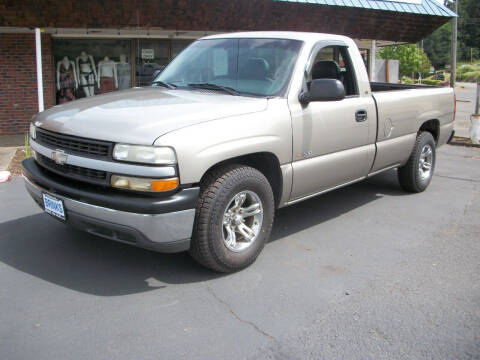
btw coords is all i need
(475, 129)
(475, 119)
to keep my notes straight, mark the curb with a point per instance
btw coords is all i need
(461, 141)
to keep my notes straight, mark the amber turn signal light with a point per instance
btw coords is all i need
(143, 184)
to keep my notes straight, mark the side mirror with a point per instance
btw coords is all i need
(323, 90)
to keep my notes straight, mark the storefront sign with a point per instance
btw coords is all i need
(148, 54)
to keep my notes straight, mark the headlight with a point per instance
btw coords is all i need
(143, 184)
(144, 154)
(33, 132)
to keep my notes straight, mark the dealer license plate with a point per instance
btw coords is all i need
(53, 206)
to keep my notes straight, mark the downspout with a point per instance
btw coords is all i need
(38, 51)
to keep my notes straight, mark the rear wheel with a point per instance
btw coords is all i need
(234, 218)
(416, 174)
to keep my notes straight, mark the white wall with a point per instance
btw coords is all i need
(393, 71)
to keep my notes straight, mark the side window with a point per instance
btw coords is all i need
(333, 62)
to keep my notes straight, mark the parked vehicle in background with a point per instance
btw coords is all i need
(439, 75)
(236, 126)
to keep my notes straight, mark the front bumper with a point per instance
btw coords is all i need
(163, 225)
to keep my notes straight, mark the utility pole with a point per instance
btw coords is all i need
(453, 62)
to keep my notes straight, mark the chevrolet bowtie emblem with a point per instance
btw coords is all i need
(59, 157)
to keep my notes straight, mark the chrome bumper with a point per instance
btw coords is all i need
(167, 232)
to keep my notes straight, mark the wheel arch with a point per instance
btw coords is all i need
(265, 162)
(433, 127)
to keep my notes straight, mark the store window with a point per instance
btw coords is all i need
(178, 46)
(152, 56)
(87, 67)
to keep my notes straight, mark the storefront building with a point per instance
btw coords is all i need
(91, 47)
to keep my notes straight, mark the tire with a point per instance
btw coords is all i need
(217, 215)
(413, 176)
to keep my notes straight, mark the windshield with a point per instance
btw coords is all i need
(260, 67)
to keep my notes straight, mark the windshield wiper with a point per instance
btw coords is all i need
(164, 84)
(210, 86)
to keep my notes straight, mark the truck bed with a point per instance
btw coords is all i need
(401, 113)
(380, 86)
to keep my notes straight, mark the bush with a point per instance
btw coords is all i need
(470, 76)
(430, 81)
(466, 68)
(407, 80)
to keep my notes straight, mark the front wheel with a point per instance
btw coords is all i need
(416, 174)
(234, 218)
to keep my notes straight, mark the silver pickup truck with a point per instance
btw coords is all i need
(236, 126)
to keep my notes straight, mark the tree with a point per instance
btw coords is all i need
(412, 59)
(469, 23)
(438, 45)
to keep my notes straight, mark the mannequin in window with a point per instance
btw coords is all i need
(107, 75)
(124, 73)
(67, 80)
(87, 73)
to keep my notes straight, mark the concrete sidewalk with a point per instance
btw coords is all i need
(8, 147)
(6, 156)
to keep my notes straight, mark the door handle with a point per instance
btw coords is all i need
(361, 115)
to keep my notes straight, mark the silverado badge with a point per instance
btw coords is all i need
(59, 157)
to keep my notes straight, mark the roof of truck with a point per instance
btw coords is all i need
(293, 35)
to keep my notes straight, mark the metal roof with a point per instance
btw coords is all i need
(426, 7)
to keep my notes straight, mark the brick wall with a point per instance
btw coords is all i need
(18, 80)
(219, 15)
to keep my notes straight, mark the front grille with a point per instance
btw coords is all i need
(74, 144)
(72, 171)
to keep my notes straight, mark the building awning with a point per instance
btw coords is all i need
(393, 21)
(421, 7)
(402, 21)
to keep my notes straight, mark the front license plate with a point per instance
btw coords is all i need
(53, 206)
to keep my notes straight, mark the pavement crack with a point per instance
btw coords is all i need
(234, 314)
(457, 178)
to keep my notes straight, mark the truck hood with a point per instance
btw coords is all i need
(140, 115)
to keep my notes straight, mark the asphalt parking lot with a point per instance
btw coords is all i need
(365, 272)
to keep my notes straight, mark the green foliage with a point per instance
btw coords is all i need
(468, 73)
(438, 45)
(468, 23)
(467, 68)
(471, 76)
(412, 59)
(27, 146)
(431, 81)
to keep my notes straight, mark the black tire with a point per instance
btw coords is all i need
(217, 189)
(409, 175)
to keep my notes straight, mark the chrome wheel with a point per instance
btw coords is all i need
(242, 221)
(425, 162)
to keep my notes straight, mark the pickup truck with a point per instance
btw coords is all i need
(234, 127)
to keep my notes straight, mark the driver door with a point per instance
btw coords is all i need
(333, 141)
